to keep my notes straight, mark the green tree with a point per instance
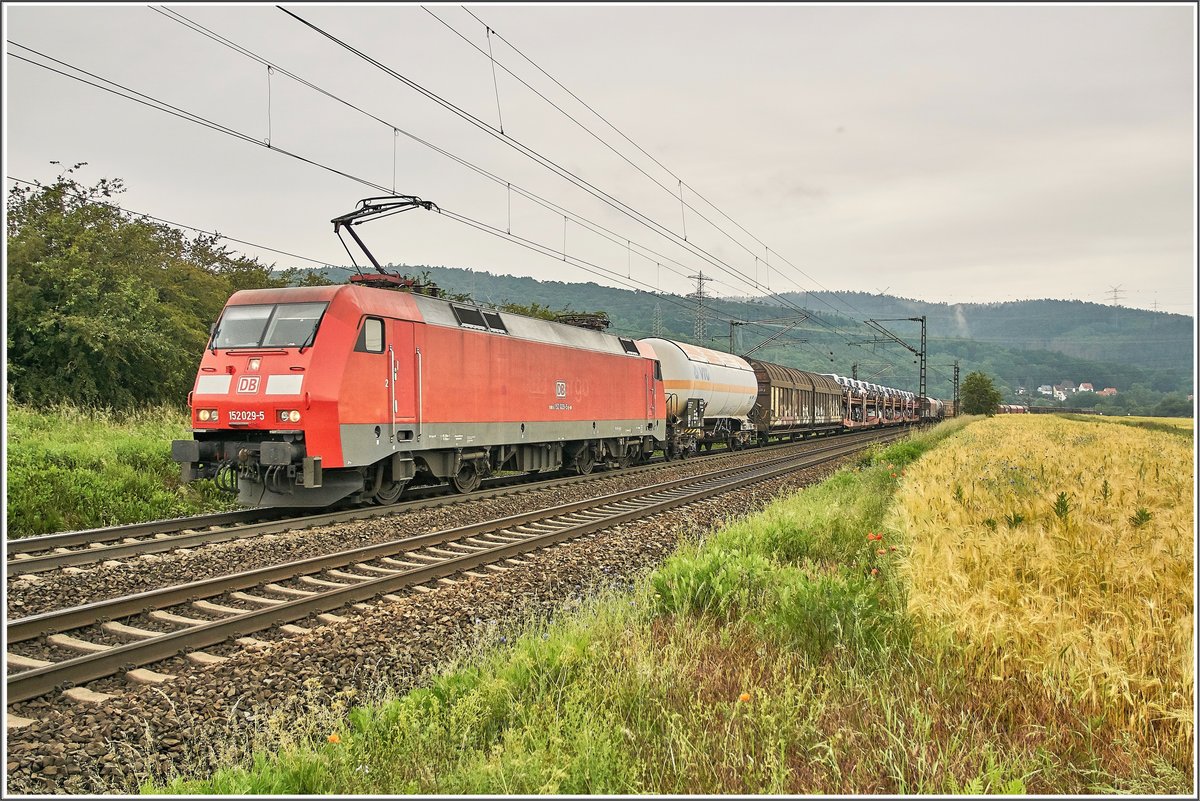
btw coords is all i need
(106, 308)
(1173, 406)
(978, 394)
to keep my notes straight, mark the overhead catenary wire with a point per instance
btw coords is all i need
(535, 156)
(679, 181)
(510, 187)
(151, 102)
(642, 150)
(783, 300)
(453, 215)
(596, 228)
(213, 233)
(167, 108)
(197, 119)
(541, 201)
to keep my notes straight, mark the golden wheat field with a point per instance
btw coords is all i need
(1063, 551)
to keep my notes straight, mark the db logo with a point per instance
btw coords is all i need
(248, 384)
(560, 389)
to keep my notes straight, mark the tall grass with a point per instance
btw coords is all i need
(72, 468)
(1061, 552)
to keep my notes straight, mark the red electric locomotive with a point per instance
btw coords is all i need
(310, 396)
(307, 396)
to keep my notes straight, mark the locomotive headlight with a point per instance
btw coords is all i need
(203, 415)
(286, 416)
(294, 416)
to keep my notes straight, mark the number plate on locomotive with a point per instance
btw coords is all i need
(247, 417)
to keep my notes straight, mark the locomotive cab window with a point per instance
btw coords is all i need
(370, 338)
(280, 325)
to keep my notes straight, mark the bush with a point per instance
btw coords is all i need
(70, 468)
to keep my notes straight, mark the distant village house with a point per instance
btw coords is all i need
(1061, 391)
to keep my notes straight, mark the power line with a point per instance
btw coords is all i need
(537, 199)
(143, 99)
(606, 121)
(174, 111)
(538, 157)
(197, 119)
(179, 224)
(177, 112)
(176, 16)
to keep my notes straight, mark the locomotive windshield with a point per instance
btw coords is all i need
(279, 325)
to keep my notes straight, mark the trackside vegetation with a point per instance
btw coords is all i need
(799, 651)
(72, 468)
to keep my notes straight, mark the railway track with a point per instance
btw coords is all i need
(156, 625)
(72, 549)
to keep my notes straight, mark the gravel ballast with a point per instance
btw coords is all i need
(36, 593)
(213, 715)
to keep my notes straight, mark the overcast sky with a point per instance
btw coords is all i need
(962, 154)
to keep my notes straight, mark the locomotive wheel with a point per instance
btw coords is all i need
(584, 462)
(467, 479)
(389, 493)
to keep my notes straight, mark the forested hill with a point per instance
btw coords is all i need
(1072, 327)
(1020, 343)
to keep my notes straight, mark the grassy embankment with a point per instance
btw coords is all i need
(70, 468)
(1023, 625)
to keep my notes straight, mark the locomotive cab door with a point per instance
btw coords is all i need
(402, 378)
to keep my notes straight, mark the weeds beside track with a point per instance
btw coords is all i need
(70, 468)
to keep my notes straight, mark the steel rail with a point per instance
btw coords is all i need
(100, 611)
(662, 497)
(279, 521)
(66, 539)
